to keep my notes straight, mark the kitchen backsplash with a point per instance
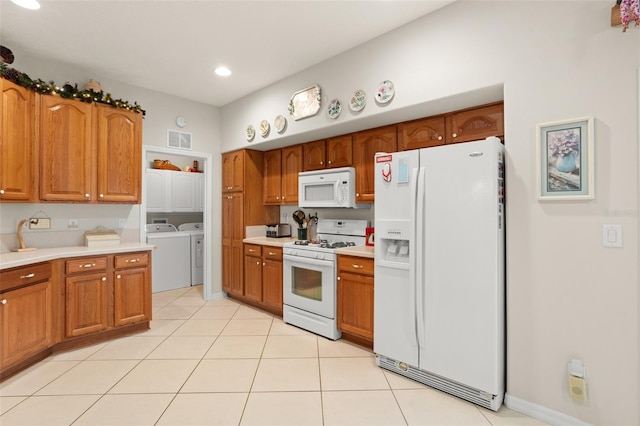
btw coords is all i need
(63, 231)
(286, 213)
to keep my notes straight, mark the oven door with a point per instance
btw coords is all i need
(309, 284)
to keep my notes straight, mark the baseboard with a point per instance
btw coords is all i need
(214, 296)
(539, 412)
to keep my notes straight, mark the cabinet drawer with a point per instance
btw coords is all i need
(86, 264)
(273, 253)
(131, 260)
(19, 277)
(355, 264)
(253, 250)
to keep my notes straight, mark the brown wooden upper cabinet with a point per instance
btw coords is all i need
(89, 153)
(18, 160)
(233, 171)
(475, 123)
(66, 153)
(365, 145)
(281, 168)
(119, 143)
(422, 133)
(330, 153)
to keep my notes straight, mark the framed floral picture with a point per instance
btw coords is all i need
(565, 160)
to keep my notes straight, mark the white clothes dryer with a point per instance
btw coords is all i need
(196, 231)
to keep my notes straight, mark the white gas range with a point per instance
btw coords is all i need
(309, 275)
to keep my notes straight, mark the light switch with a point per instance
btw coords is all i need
(612, 235)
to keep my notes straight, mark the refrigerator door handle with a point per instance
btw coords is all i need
(419, 254)
(413, 261)
(416, 270)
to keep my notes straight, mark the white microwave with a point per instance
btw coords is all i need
(327, 188)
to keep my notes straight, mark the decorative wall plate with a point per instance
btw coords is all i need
(385, 92)
(251, 132)
(264, 128)
(280, 123)
(335, 108)
(358, 100)
(305, 103)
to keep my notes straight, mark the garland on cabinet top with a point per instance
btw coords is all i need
(67, 91)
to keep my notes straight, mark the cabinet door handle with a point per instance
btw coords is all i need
(229, 187)
(1, 191)
(322, 163)
(31, 275)
(86, 195)
(104, 278)
(338, 278)
(357, 266)
(440, 138)
(283, 198)
(4, 301)
(257, 263)
(271, 253)
(132, 260)
(455, 135)
(264, 263)
(251, 250)
(88, 265)
(118, 277)
(101, 195)
(329, 162)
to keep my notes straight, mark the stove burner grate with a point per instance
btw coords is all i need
(339, 244)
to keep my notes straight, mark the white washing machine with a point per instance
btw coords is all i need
(170, 261)
(196, 231)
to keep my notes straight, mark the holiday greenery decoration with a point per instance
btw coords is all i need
(67, 91)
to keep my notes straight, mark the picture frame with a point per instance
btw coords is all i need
(565, 160)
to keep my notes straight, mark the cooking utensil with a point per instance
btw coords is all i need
(299, 216)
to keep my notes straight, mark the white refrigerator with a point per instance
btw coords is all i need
(439, 300)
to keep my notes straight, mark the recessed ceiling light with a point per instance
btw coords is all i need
(222, 71)
(27, 4)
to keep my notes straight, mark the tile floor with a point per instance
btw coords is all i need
(222, 363)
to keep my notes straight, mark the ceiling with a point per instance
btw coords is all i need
(173, 46)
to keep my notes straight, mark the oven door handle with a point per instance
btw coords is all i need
(300, 260)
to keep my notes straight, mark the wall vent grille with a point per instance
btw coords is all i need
(476, 396)
(178, 140)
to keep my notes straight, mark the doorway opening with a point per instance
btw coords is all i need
(205, 164)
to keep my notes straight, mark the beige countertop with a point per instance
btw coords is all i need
(362, 251)
(13, 259)
(275, 242)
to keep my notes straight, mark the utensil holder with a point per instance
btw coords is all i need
(302, 233)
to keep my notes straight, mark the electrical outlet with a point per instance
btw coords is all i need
(122, 223)
(73, 224)
(39, 223)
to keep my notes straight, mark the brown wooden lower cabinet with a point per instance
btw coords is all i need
(86, 303)
(263, 276)
(68, 303)
(25, 322)
(355, 296)
(131, 288)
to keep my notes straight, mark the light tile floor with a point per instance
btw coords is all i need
(222, 363)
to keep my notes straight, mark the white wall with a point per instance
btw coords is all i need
(568, 296)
